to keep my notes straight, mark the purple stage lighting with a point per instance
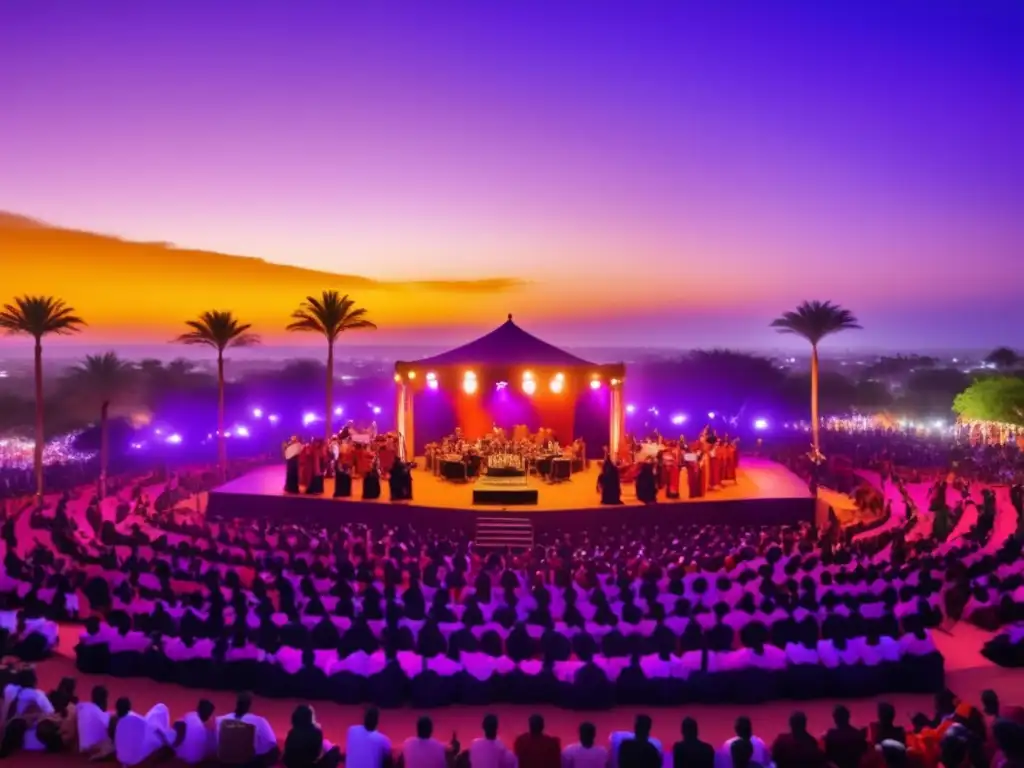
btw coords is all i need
(678, 419)
(376, 410)
(630, 408)
(272, 418)
(257, 413)
(308, 418)
(338, 411)
(174, 439)
(760, 424)
(242, 431)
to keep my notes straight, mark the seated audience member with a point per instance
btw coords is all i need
(744, 732)
(691, 752)
(585, 753)
(305, 747)
(366, 747)
(489, 752)
(536, 748)
(94, 725)
(797, 749)
(24, 707)
(195, 735)
(59, 731)
(141, 737)
(424, 751)
(741, 755)
(639, 752)
(885, 728)
(845, 745)
(245, 738)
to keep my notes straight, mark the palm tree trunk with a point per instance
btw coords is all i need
(104, 446)
(329, 414)
(37, 454)
(814, 399)
(222, 441)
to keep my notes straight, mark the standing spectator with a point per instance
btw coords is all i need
(585, 754)
(536, 748)
(367, 747)
(691, 752)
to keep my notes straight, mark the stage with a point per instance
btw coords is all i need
(765, 493)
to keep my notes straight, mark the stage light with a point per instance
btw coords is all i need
(711, 414)
(939, 424)
(257, 413)
(678, 419)
(412, 375)
(174, 439)
(431, 376)
(529, 386)
(158, 431)
(630, 408)
(501, 385)
(557, 384)
(308, 418)
(560, 376)
(469, 383)
(376, 410)
(432, 383)
(242, 431)
(615, 382)
(338, 411)
(273, 418)
(595, 384)
(398, 378)
(760, 424)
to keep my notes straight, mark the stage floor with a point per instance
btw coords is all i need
(757, 479)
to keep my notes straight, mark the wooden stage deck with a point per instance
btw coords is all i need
(765, 493)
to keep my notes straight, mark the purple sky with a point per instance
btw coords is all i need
(740, 156)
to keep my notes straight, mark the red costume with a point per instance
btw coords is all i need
(305, 465)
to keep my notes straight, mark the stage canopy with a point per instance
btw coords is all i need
(508, 359)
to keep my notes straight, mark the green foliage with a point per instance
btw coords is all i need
(999, 399)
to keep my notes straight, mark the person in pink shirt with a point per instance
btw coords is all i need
(424, 751)
(585, 753)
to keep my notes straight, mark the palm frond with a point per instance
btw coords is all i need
(814, 320)
(330, 315)
(39, 316)
(220, 330)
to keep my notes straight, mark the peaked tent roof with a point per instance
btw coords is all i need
(507, 344)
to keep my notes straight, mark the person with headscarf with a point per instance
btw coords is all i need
(647, 484)
(292, 454)
(609, 483)
(371, 483)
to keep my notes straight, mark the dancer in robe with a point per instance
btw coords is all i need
(715, 467)
(647, 484)
(400, 482)
(609, 483)
(315, 487)
(305, 465)
(704, 472)
(343, 480)
(693, 478)
(291, 459)
(671, 468)
(371, 482)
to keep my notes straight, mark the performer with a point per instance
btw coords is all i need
(609, 483)
(647, 484)
(671, 469)
(292, 450)
(342, 481)
(693, 478)
(400, 482)
(315, 487)
(305, 465)
(371, 482)
(346, 432)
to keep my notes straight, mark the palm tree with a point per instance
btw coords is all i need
(39, 316)
(220, 330)
(814, 320)
(104, 377)
(330, 316)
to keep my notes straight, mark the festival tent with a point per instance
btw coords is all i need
(508, 373)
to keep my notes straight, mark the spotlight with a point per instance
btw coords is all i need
(939, 424)
(411, 375)
(711, 414)
(615, 382)
(257, 413)
(557, 384)
(529, 386)
(560, 377)
(501, 385)
(431, 376)
(397, 378)
(631, 408)
(678, 419)
(308, 418)
(432, 383)
(469, 383)
(760, 424)
(242, 431)
(595, 384)
(273, 418)
(174, 439)
(376, 410)
(338, 411)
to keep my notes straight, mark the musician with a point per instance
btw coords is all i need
(292, 450)
(346, 432)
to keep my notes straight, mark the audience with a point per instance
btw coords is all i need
(536, 749)
(488, 751)
(639, 752)
(691, 752)
(586, 753)
(424, 751)
(844, 744)
(744, 730)
(366, 747)
(305, 746)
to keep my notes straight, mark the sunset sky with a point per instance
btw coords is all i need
(657, 172)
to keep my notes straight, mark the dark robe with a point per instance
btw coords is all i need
(610, 484)
(342, 483)
(400, 482)
(646, 484)
(315, 487)
(371, 484)
(291, 475)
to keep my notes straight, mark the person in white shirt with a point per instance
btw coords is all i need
(489, 752)
(585, 754)
(366, 747)
(422, 751)
(744, 730)
(195, 738)
(265, 741)
(135, 742)
(94, 725)
(26, 705)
